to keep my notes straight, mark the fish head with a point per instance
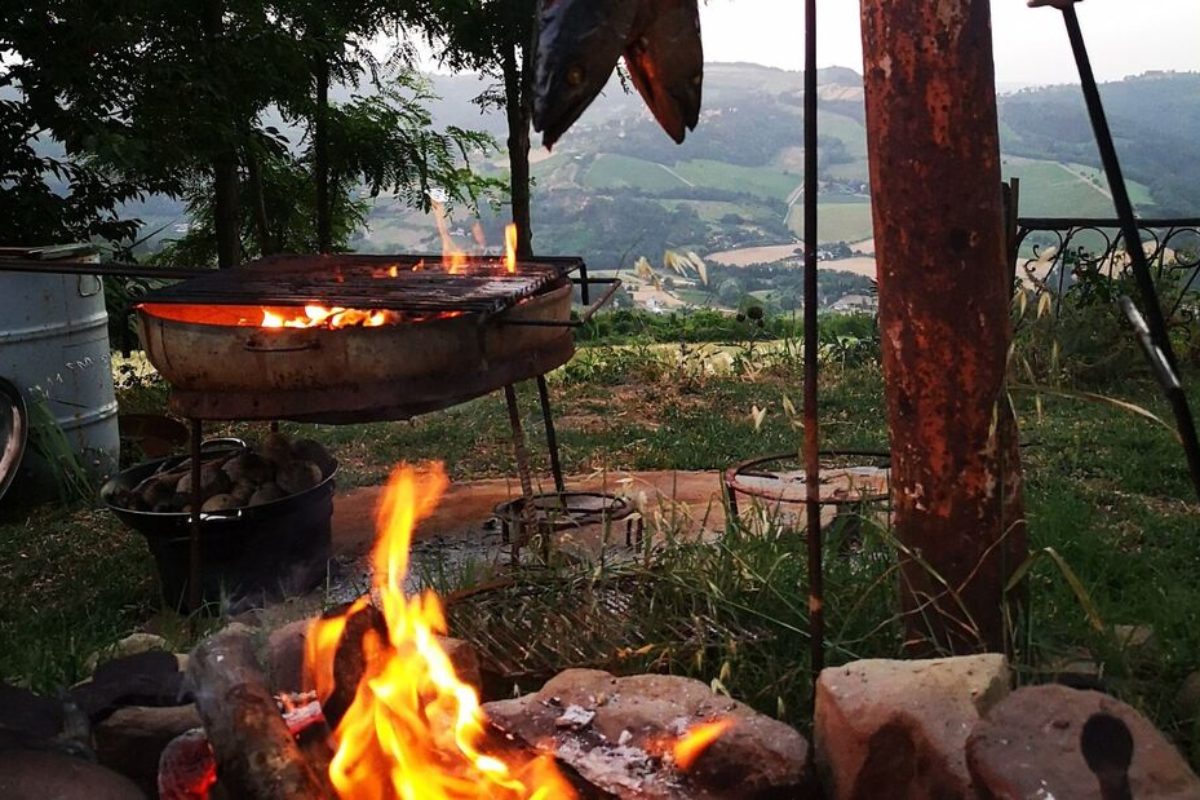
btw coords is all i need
(579, 43)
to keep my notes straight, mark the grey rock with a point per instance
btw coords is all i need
(625, 746)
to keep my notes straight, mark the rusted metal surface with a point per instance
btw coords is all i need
(944, 314)
(414, 284)
(381, 400)
(255, 373)
(812, 435)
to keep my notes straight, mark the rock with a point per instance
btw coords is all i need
(1029, 746)
(618, 734)
(187, 768)
(38, 775)
(285, 657)
(131, 645)
(132, 740)
(896, 729)
(1133, 637)
(1076, 668)
(1187, 699)
(28, 715)
(150, 679)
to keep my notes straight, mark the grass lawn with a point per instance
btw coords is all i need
(1106, 490)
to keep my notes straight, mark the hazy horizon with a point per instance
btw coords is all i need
(1031, 47)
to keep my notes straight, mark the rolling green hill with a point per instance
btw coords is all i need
(616, 187)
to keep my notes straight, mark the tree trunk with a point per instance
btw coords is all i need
(226, 215)
(321, 159)
(944, 315)
(262, 229)
(517, 108)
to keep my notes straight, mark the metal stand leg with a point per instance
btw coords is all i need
(194, 593)
(551, 437)
(522, 456)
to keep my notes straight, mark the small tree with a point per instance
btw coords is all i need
(495, 37)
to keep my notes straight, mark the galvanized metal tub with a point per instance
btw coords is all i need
(54, 347)
(220, 369)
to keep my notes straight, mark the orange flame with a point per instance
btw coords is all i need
(698, 739)
(453, 258)
(415, 731)
(510, 248)
(314, 316)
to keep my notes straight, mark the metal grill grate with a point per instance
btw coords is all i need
(413, 284)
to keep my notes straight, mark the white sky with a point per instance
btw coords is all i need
(1125, 37)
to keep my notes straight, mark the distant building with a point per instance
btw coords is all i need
(855, 304)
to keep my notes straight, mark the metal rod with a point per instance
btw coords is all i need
(1155, 321)
(522, 456)
(560, 485)
(583, 319)
(194, 593)
(583, 282)
(109, 270)
(812, 441)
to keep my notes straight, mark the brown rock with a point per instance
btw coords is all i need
(132, 739)
(896, 729)
(617, 735)
(1029, 746)
(40, 775)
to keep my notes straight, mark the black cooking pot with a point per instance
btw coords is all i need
(247, 555)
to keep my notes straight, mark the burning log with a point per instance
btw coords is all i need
(257, 755)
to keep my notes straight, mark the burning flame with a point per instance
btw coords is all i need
(453, 258)
(315, 316)
(693, 743)
(414, 730)
(510, 248)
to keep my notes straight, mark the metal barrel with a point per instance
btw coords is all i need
(54, 347)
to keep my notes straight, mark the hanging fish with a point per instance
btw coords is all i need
(579, 43)
(665, 59)
(578, 46)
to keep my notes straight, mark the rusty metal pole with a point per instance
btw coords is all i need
(933, 142)
(812, 434)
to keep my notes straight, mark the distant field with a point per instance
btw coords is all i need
(611, 171)
(713, 210)
(1050, 189)
(838, 222)
(754, 255)
(761, 181)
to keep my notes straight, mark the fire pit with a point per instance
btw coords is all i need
(356, 338)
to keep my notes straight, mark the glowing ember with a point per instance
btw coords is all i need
(697, 740)
(314, 316)
(414, 730)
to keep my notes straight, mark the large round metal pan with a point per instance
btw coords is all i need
(220, 370)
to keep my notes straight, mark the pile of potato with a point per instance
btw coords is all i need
(276, 469)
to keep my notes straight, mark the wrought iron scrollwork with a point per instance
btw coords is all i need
(1062, 251)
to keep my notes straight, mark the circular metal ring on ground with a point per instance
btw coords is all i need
(555, 513)
(14, 433)
(848, 477)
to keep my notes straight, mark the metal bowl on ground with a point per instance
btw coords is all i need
(248, 555)
(14, 432)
